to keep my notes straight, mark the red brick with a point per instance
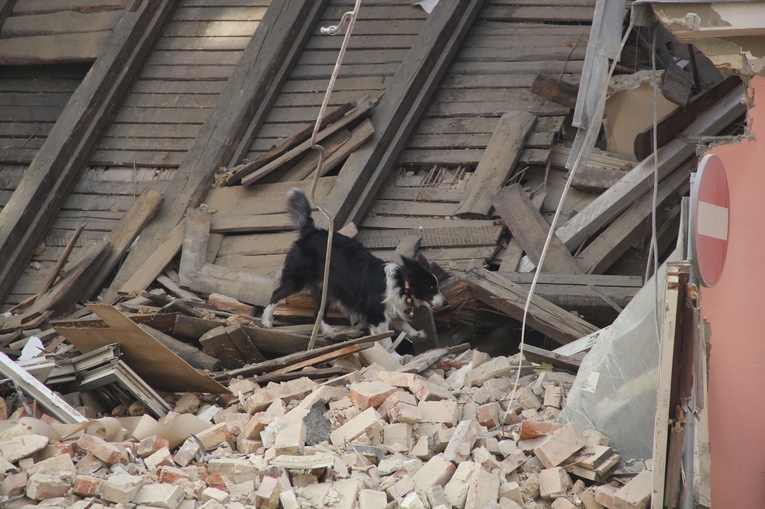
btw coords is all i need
(87, 485)
(106, 452)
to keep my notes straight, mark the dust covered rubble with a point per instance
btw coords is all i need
(373, 439)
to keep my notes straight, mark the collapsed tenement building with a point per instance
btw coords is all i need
(146, 151)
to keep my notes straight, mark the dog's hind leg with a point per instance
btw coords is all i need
(286, 288)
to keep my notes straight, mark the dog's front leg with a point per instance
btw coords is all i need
(412, 332)
(267, 320)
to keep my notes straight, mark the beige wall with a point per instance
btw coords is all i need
(735, 310)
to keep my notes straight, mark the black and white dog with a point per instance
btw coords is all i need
(369, 291)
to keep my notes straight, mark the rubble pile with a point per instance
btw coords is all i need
(439, 431)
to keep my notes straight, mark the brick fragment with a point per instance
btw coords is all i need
(438, 470)
(560, 446)
(13, 449)
(497, 367)
(447, 412)
(483, 491)
(162, 457)
(456, 489)
(636, 494)
(159, 495)
(150, 445)
(372, 499)
(370, 393)
(87, 485)
(398, 437)
(186, 452)
(121, 488)
(106, 452)
(45, 486)
(367, 422)
(553, 482)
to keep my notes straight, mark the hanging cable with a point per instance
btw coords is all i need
(653, 251)
(348, 18)
(591, 130)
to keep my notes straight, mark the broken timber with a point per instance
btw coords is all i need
(497, 163)
(241, 110)
(551, 320)
(531, 229)
(59, 162)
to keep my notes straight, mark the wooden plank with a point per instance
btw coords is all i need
(681, 117)
(339, 114)
(408, 208)
(155, 263)
(46, 182)
(60, 22)
(248, 224)
(242, 109)
(531, 229)
(306, 356)
(540, 355)
(305, 169)
(52, 49)
(260, 199)
(553, 321)
(669, 332)
(246, 287)
(614, 201)
(552, 88)
(123, 235)
(432, 237)
(194, 253)
(632, 225)
(514, 250)
(497, 163)
(400, 108)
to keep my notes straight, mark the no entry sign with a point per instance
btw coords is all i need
(710, 213)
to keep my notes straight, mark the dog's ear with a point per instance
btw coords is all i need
(418, 263)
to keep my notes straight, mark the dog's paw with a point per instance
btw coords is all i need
(327, 328)
(416, 334)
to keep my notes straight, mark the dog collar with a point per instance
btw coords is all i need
(409, 311)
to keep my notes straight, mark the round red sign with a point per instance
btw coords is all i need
(710, 220)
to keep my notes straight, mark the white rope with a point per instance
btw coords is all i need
(587, 136)
(350, 19)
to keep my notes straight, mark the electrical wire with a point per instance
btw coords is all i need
(348, 18)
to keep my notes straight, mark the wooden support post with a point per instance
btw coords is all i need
(400, 108)
(241, 110)
(67, 149)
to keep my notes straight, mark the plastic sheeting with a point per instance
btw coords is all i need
(615, 388)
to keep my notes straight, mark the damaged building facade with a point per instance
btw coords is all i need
(145, 152)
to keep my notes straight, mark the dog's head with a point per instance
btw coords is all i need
(423, 284)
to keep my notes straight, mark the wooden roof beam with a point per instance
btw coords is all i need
(67, 149)
(244, 102)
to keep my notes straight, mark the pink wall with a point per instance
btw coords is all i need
(735, 310)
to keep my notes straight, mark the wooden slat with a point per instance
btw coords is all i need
(400, 108)
(245, 100)
(531, 229)
(551, 320)
(497, 163)
(58, 163)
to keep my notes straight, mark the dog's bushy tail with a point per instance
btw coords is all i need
(299, 210)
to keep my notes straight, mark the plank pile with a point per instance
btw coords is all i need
(439, 430)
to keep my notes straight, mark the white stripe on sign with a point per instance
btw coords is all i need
(712, 221)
